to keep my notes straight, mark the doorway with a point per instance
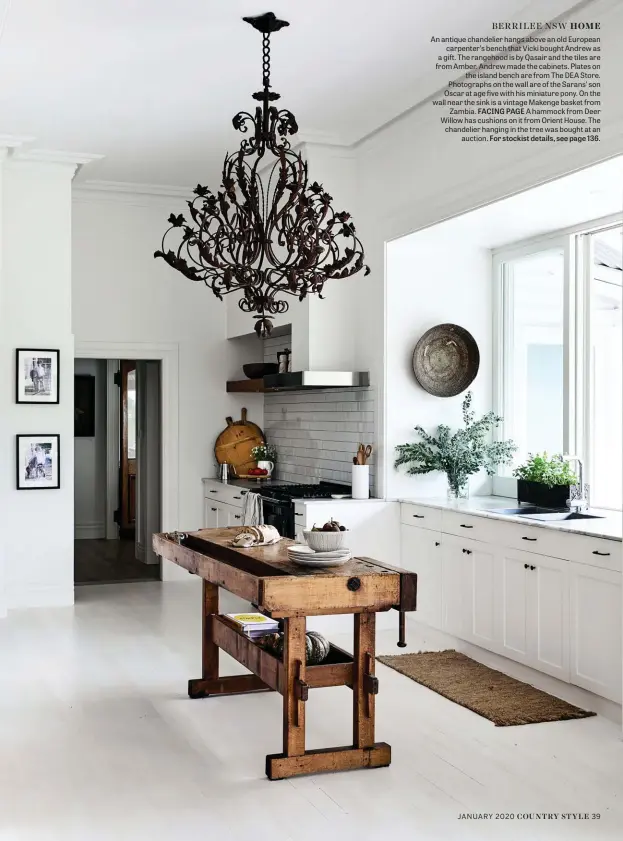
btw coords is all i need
(117, 474)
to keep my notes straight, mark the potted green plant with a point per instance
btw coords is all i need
(545, 480)
(458, 455)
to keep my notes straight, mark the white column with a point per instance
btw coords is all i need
(35, 312)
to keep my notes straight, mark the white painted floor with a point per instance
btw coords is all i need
(99, 741)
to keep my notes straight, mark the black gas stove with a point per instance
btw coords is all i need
(278, 502)
(322, 490)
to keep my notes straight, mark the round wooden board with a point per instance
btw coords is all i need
(234, 444)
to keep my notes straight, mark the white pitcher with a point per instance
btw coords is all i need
(269, 466)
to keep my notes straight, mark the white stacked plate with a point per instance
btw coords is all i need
(303, 555)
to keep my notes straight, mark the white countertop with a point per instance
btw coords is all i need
(325, 501)
(609, 526)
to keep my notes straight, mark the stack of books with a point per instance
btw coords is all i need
(254, 625)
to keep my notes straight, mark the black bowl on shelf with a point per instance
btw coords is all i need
(257, 370)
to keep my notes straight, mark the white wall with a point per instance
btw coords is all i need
(122, 294)
(433, 277)
(90, 461)
(36, 534)
(411, 174)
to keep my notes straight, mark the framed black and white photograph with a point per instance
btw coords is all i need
(38, 462)
(36, 375)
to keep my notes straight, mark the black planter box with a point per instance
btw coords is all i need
(538, 494)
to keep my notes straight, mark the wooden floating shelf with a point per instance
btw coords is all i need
(335, 670)
(246, 386)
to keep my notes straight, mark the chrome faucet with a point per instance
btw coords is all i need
(578, 500)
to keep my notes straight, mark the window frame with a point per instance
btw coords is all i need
(576, 243)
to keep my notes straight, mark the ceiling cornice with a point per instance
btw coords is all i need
(135, 188)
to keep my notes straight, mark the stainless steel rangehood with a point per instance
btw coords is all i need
(300, 380)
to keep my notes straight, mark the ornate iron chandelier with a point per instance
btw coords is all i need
(266, 235)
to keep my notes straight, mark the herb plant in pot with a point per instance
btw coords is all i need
(545, 481)
(458, 455)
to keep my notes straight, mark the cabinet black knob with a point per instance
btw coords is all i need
(467, 551)
(238, 516)
(212, 509)
(353, 584)
(213, 492)
(237, 497)
(419, 516)
(437, 543)
(531, 539)
(603, 554)
(466, 527)
(526, 566)
(532, 567)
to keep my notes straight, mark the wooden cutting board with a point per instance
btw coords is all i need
(234, 444)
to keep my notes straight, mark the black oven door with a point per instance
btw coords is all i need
(280, 515)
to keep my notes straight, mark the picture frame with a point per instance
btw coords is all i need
(84, 406)
(37, 376)
(38, 462)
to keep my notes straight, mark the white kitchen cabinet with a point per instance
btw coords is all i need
(545, 598)
(512, 604)
(595, 609)
(468, 570)
(421, 553)
(220, 515)
(548, 615)
(533, 610)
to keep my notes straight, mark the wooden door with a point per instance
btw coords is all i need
(595, 657)
(548, 615)
(421, 553)
(127, 462)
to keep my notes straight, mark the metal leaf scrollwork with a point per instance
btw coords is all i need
(266, 235)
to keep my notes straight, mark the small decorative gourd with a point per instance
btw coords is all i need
(316, 646)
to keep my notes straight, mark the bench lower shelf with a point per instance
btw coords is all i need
(336, 670)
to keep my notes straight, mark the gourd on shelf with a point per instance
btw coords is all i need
(316, 646)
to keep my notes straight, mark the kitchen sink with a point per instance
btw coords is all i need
(555, 516)
(517, 512)
(533, 512)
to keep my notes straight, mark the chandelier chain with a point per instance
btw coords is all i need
(266, 60)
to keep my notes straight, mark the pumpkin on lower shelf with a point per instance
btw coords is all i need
(316, 646)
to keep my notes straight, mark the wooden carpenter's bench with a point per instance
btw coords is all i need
(266, 577)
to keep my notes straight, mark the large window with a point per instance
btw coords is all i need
(560, 348)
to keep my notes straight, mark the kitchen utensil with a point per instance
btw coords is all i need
(355, 460)
(257, 370)
(324, 541)
(224, 473)
(235, 443)
(361, 481)
(446, 360)
(363, 454)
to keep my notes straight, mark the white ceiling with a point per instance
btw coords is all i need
(153, 84)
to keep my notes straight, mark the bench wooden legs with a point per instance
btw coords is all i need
(209, 649)
(364, 752)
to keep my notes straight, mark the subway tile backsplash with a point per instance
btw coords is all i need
(317, 432)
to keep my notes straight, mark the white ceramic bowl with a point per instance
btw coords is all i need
(324, 541)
